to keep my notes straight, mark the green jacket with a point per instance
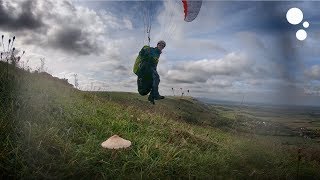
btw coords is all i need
(148, 55)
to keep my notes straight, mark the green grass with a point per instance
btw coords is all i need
(50, 130)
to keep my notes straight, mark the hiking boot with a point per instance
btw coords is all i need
(151, 99)
(159, 97)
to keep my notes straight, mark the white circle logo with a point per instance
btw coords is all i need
(301, 34)
(294, 16)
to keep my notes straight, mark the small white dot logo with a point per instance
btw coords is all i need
(295, 16)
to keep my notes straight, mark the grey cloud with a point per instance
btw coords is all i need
(115, 23)
(182, 76)
(312, 90)
(313, 73)
(232, 65)
(220, 82)
(11, 19)
(74, 40)
(114, 56)
(57, 25)
(77, 31)
(109, 67)
(121, 68)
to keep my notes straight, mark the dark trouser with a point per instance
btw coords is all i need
(155, 83)
(144, 86)
(148, 80)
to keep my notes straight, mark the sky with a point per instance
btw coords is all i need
(233, 50)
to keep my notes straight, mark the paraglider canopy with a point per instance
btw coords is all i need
(191, 9)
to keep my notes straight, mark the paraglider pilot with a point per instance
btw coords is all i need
(145, 68)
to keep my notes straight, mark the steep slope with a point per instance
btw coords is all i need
(51, 130)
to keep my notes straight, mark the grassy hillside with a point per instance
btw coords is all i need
(51, 130)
